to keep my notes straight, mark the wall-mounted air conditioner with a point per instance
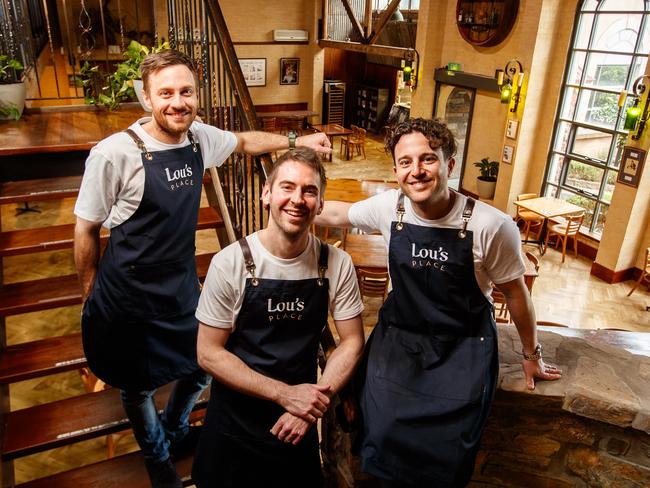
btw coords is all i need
(290, 35)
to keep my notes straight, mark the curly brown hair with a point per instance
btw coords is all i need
(436, 132)
(153, 63)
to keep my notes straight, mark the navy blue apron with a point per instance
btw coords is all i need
(277, 334)
(432, 360)
(138, 324)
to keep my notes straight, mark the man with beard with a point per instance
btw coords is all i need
(139, 330)
(262, 310)
(432, 361)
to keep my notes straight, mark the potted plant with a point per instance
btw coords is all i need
(12, 88)
(123, 84)
(487, 181)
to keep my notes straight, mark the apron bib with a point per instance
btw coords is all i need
(432, 362)
(138, 325)
(277, 334)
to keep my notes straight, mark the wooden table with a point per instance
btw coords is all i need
(547, 207)
(288, 114)
(332, 131)
(346, 190)
(367, 251)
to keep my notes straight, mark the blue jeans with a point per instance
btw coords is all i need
(154, 433)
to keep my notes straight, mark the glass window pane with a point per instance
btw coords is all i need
(597, 108)
(587, 203)
(622, 5)
(616, 32)
(562, 136)
(638, 68)
(602, 218)
(577, 67)
(550, 191)
(569, 103)
(556, 169)
(609, 71)
(585, 177)
(609, 186)
(589, 5)
(584, 31)
(592, 143)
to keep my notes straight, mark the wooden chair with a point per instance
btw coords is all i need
(269, 124)
(292, 124)
(530, 219)
(346, 139)
(645, 273)
(501, 312)
(372, 284)
(357, 142)
(562, 231)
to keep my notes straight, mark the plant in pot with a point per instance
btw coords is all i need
(12, 88)
(123, 84)
(487, 181)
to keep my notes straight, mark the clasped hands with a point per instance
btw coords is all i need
(304, 405)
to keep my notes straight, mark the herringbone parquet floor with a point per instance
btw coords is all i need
(564, 293)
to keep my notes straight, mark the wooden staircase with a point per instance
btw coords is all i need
(59, 423)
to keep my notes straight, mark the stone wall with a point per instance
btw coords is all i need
(590, 429)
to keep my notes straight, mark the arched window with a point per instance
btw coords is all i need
(609, 50)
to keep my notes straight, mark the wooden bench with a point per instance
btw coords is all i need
(55, 237)
(125, 471)
(39, 189)
(59, 291)
(55, 424)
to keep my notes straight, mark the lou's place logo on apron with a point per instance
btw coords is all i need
(285, 310)
(179, 177)
(429, 258)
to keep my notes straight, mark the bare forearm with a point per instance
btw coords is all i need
(334, 214)
(256, 142)
(86, 257)
(522, 312)
(341, 364)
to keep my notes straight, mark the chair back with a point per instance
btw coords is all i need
(525, 196)
(533, 259)
(573, 223)
(373, 284)
(647, 260)
(361, 135)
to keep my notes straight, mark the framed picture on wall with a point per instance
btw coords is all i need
(508, 152)
(511, 129)
(631, 167)
(254, 70)
(289, 71)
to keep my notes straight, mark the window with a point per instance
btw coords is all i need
(609, 50)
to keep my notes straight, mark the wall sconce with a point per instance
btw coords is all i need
(511, 76)
(636, 115)
(410, 65)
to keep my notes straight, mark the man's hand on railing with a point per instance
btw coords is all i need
(318, 141)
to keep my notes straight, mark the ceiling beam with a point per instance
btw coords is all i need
(383, 20)
(394, 52)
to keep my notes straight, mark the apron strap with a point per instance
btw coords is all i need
(467, 214)
(190, 137)
(248, 260)
(140, 143)
(400, 211)
(322, 262)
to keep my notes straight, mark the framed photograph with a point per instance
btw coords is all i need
(508, 152)
(289, 71)
(631, 166)
(254, 70)
(511, 129)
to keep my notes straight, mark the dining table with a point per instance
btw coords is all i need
(332, 131)
(368, 251)
(548, 208)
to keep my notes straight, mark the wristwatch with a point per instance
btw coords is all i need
(537, 354)
(292, 139)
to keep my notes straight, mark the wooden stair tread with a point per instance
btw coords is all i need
(39, 239)
(59, 291)
(47, 189)
(119, 472)
(43, 427)
(41, 358)
(39, 189)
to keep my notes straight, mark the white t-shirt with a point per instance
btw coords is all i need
(224, 287)
(113, 181)
(496, 245)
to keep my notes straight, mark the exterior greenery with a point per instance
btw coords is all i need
(10, 72)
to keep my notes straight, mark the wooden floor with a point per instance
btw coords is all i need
(564, 293)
